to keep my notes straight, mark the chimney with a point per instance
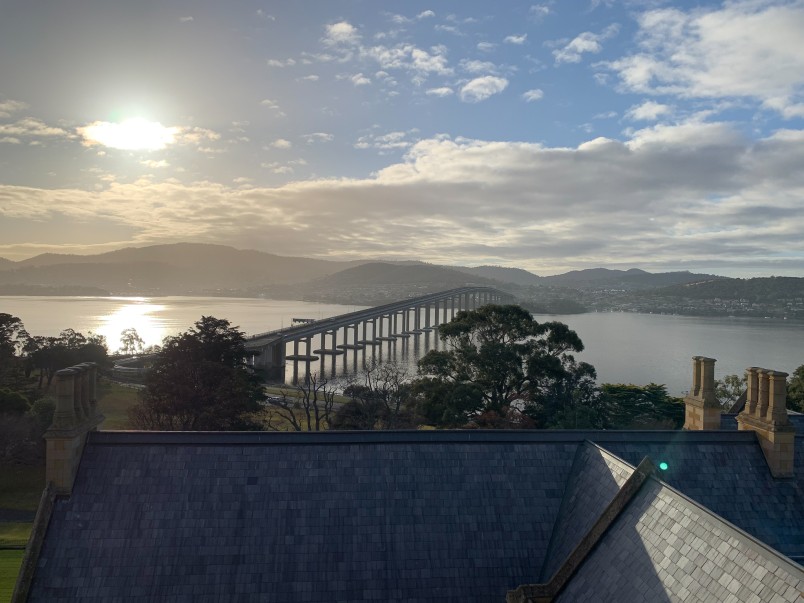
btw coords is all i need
(765, 413)
(702, 410)
(75, 416)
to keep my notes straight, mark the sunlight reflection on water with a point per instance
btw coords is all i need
(139, 314)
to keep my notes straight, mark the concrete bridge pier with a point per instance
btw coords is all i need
(271, 360)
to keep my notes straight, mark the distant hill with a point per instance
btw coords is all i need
(381, 273)
(516, 276)
(169, 269)
(632, 279)
(6, 264)
(752, 289)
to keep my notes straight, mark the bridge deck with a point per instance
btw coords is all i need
(303, 331)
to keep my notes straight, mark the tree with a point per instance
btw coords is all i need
(307, 407)
(795, 390)
(501, 362)
(200, 381)
(131, 342)
(729, 389)
(381, 399)
(640, 407)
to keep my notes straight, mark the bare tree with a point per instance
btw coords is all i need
(308, 406)
(379, 399)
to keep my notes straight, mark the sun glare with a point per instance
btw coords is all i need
(134, 134)
(142, 316)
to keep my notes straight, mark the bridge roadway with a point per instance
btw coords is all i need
(402, 319)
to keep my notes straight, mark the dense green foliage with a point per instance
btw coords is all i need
(795, 390)
(640, 407)
(199, 381)
(501, 368)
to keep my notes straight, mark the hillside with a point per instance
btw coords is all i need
(515, 276)
(629, 280)
(6, 264)
(169, 269)
(752, 289)
(382, 273)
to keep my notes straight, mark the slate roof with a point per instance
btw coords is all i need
(728, 421)
(662, 548)
(391, 516)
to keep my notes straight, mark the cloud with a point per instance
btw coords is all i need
(539, 11)
(10, 140)
(514, 39)
(648, 111)
(426, 14)
(481, 88)
(7, 107)
(263, 15)
(475, 66)
(281, 64)
(342, 33)
(309, 78)
(583, 43)
(392, 141)
(151, 163)
(359, 79)
(440, 92)
(186, 19)
(744, 49)
(28, 127)
(486, 46)
(533, 95)
(281, 143)
(604, 202)
(317, 137)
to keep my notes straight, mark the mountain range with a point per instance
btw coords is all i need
(202, 269)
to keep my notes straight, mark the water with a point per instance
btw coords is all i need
(623, 347)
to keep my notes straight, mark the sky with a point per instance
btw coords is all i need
(548, 136)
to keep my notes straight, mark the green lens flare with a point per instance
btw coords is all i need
(663, 466)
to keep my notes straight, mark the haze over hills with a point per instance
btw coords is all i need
(200, 269)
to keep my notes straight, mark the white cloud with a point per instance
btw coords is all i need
(309, 78)
(583, 43)
(281, 143)
(457, 200)
(516, 39)
(745, 49)
(539, 11)
(152, 163)
(186, 19)
(7, 107)
(486, 46)
(481, 88)
(263, 15)
(281, 64)
(359, 79)
(648, 111)
(440, 92)
(270, 104)
(533, 95)
(475, 66)
(391, 141)
(10, 140)
(341, 33)
(317, 137)
(425, 14)
(32, 127)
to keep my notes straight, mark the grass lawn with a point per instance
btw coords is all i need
(21, 487)
(14, 534)
(114, 400)
(10, 562)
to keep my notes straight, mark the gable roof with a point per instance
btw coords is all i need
(414, 516)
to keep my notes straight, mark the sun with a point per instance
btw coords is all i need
(133, 134)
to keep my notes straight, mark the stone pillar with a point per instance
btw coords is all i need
(702, 410)
(765, 414)
(752, 391)
(66, 437)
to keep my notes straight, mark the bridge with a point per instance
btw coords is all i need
(363, 329)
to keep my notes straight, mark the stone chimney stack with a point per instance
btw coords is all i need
(765, 413)
(702, 410)
(75, 416)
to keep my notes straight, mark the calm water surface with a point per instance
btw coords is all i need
(623, 347)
